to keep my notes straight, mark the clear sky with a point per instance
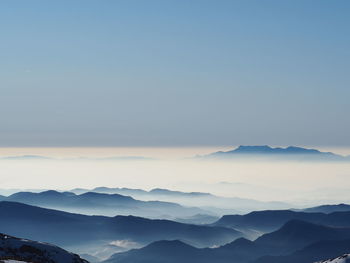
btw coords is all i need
(174, 73)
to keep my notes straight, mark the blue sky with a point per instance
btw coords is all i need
(174, 73)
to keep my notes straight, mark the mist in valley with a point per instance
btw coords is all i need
(298, 183)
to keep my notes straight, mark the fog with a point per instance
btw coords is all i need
(294, 182)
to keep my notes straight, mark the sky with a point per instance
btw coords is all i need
(174, 73)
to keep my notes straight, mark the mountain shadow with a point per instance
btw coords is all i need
(293, 237)
(12, 248)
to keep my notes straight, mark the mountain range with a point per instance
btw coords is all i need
(292, 239)
(93, 203)
(328, 208)
(82, 233)
(276, 236)
(279, 153)
(206, 201)
(270, 220)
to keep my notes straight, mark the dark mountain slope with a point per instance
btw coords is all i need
(291, 238)
(317, 251)
(296, 234)
(163, 251)
(270, 220)
(31, 251)
(65, 229)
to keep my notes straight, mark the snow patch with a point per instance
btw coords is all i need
(341, 259)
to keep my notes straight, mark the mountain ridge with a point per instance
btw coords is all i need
(97, 232)
(103, 204)
(289, 238)
(13, 248)
(290, 152)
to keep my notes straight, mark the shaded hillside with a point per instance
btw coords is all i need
(270, 220)
(67, 229)
(30, 251)
(293, 237)
(318, 251)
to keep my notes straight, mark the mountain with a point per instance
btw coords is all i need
(315, 252)
(84, 234)
(200, 236)
(175, 251)
(328, 208)
(162, 252)
(296, 239)
(12, 248)
(92, 203)
(206, 201)
(296, 234)
(342, 259)
(270, 220)
(288, 153)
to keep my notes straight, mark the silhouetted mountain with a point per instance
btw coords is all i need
(216, 204)
(30, 251)
(161, 251)
(140, 192)
(103, 204)
(158, 229)
(239, 251)
(318, 251)
(265, 151)
(296, 234)
(328, 208)
(270, 220)
(81, 231)
(291, 238)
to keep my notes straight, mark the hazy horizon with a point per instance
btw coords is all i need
(295, 182)
(164, 152)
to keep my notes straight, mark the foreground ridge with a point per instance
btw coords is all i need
(342, 259)
(13, 248)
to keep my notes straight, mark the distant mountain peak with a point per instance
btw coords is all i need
(289, 152)
(269, 149)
